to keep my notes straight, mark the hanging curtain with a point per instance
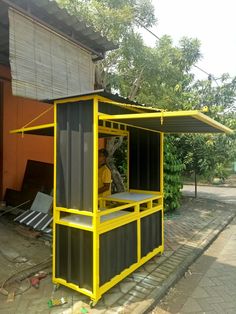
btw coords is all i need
(44, 64)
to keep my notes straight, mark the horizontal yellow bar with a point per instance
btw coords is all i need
(115, 209)
(73, 225)
(118, 200)
(148, 212)
(33, 128)
(148, 200)
(164, 114)
(146, 192)
(117, 222)
(148, 115)
(75, 211)
(133, 126)
(106, 130)
(72, 286)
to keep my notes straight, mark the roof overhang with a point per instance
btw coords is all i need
(170, 122)
(166, 122)
(50, 15)
(104, 96)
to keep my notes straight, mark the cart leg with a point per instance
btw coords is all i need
(92, 303)
(56, 286)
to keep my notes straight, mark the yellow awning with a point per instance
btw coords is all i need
(170, 122)
(167, 122)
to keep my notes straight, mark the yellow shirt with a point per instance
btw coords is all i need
(104, 176)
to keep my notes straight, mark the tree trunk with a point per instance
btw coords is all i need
(112, 145)
(136, 85)
(195, 181)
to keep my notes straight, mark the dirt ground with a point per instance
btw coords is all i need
(231, 181)
(21, 256)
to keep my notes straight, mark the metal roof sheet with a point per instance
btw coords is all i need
(171, 122)
(50, 14)
(110, 98)
(190, 121)
(167, 122)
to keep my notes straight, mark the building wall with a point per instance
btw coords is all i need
(17, 149)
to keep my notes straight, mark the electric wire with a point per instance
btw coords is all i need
(44, 264)
(210, 76)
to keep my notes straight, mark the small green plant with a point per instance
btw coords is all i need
(173, 168)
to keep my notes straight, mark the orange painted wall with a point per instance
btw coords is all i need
(17, 112)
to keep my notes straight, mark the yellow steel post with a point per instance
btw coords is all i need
(162, 182)
(54, 194)
(161, 162)
(128, 156)
(96, 218)
(137, 208)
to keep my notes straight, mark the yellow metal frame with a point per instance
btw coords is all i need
(32, 128)
(118, 132)
(153, 204)
(138, 210)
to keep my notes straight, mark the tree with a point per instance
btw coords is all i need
(161, 76)
(173, 168)
(208, 155)
(115, 19)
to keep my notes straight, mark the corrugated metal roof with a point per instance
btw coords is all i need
(191, 121)
(50, 14)
(166, 122)
(126, 102)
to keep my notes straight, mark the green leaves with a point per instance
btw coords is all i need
(161, 76)
(173, 168)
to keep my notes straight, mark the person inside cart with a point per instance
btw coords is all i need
(104, 174)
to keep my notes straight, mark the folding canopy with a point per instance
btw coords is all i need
(98, 241)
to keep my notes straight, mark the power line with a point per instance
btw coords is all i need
(142, 25)
(210, 76)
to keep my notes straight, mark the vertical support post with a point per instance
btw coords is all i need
(162, 184)
(54, 192)
(161, 162)
(128, 155)
(137, 209)
(1, 137)
(96, 219)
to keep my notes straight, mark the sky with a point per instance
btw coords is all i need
(213, 22)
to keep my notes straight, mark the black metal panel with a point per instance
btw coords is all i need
(75, 155)
(118, 251)
(144, 160)
(151, 232)
(74, 256)
(175, 124)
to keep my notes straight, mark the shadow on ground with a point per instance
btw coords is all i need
(187, 232)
